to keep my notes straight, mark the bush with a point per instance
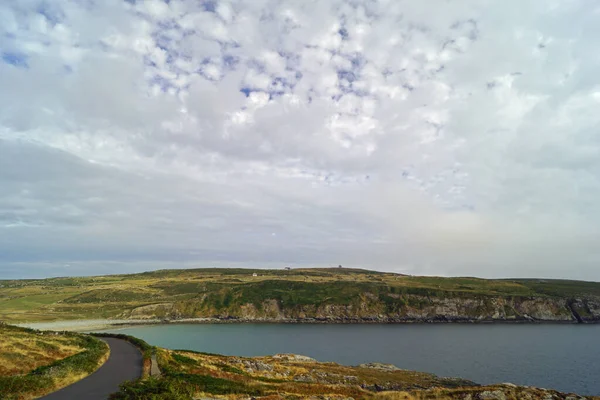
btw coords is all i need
(178, 386)
(183, 359)
(155, 389)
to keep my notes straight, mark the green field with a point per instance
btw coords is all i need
(239, 292)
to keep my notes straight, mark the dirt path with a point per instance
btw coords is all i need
(124, 364)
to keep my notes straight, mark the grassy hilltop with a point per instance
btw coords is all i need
(335, 295)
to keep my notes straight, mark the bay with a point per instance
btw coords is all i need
(561, 357)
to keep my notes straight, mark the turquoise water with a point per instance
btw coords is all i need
(562, 357)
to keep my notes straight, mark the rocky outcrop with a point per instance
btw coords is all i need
(433, 309)
(584, 310)
(301, 377)
(498, 392)
(151, 311)
(293, 358)
(380, 366)
(390, 308)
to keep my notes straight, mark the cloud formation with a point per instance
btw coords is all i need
(454, 138)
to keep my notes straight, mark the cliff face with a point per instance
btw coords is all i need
(311, 294)
(377, 299)
(585, 310)
(369, 307)
(423, 309)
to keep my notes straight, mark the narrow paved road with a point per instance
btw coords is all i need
(124, 364)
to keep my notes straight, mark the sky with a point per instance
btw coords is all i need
(421, 137)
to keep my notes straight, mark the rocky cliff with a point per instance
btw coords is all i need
(297, 295)
(378, 306)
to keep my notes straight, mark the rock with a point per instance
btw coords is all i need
(380, 366)
(252, 365)
(304, 378)
(294, 357)
(263, 367)
(492, 395)
(151, 311)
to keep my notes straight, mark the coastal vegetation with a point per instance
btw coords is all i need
(34, 363)
(192, 375)
(297, 295)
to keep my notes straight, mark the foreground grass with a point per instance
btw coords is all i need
(194, 375)
(34, 363)
(189, 374)
(22, 351)
(494, 392)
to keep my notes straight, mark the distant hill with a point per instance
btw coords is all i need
(298, 295)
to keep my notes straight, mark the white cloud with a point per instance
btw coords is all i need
(439, 138)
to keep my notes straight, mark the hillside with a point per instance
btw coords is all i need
(299, 295)
(35, 363)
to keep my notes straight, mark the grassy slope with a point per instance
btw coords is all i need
(201, 292)
(188, 375)
(22, 351)
(35, 363)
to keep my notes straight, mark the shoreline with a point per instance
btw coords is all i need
(82, 325)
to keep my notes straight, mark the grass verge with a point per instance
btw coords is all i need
(57, 374)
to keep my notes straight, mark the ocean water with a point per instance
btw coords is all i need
(561, 357)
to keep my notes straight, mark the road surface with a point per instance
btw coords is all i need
(124, 364)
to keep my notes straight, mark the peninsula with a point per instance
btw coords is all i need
(334, 295)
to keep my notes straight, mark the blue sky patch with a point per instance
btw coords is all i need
(53, 14)
(15, 58)
(209, 6)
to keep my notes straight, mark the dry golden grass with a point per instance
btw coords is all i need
(292, 377)
(288, 375)
(22, 352)
(506, 392)
(394, 396)
(34, 363)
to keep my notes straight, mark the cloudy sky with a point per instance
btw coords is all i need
(424, 137)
